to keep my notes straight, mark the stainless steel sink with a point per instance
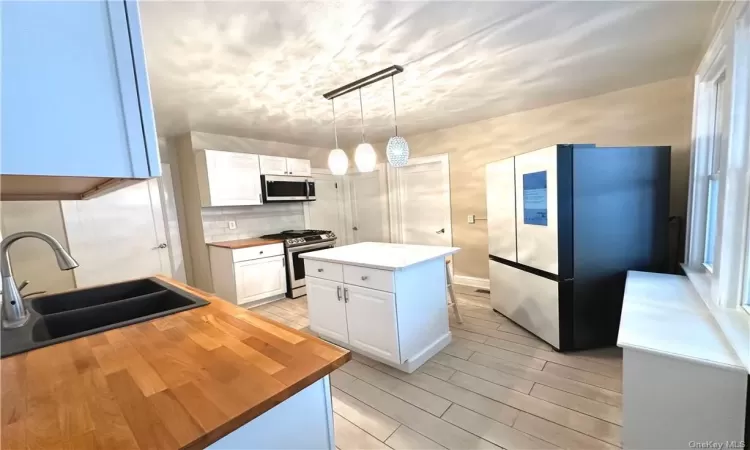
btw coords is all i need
(63, 317)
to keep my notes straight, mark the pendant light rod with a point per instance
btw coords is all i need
(393, 89)
(335, 133)
(364, 81)
(362, 115)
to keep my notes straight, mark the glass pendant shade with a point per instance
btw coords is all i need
(397, 151)
(338, 162)
(365, 157)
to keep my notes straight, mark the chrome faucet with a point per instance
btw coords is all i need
(14, 311)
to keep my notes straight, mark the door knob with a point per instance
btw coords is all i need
(440, 231)
(162, 245)
(355, 228)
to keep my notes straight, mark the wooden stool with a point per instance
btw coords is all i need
(452, 295)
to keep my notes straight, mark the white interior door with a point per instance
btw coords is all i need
(118, 236)
(328, 211)
(174, 244)
(420, 195)
(368, 194)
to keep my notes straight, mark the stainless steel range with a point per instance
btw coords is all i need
(297, 242)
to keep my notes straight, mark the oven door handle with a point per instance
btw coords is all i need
(308, 246)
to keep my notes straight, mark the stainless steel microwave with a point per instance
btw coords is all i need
(279, 188)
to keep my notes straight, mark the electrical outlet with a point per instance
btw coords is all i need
(472, 218)
(232, 225)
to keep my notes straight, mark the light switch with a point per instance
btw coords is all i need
(472, 218)
(232, 225)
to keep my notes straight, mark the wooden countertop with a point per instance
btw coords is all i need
(244, 243)
(180, 381)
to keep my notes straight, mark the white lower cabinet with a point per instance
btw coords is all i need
(371, 320)
(250, 274)
(260, 278)
(361, 317)
(328, 314)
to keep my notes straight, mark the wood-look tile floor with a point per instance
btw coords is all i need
(495, 386)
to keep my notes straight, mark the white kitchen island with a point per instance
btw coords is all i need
(387, 301)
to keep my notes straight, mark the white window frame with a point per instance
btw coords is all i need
(741, 140)
(726, 282)
(708, 153)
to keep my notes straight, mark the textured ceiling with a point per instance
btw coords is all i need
(259, 69)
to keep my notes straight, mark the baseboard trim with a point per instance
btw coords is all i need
(482, 283)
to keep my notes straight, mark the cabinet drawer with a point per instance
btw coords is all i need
(324, 270)
(261, 251)
(381, 280)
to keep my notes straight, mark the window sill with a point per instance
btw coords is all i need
(733, 322)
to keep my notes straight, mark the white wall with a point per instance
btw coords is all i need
(32, 259)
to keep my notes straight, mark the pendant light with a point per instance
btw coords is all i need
(397, 149)
(338, 162)
(364, 156)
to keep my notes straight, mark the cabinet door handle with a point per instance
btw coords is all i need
(346, 295)
(160, 246)
(261, 252)
(320, 270)
(365, 277)
(260, 198)
(338, 292)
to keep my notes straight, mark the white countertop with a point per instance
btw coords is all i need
(380, 255)
(663, 314)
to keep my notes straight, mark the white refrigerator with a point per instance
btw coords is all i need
(565, 224)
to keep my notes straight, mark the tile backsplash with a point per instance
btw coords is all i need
(252, 221)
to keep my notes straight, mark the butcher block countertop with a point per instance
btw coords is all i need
(245, 243)
(180, 381)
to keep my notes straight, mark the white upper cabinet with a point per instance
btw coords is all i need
(228, 178)
(76, 100)
(279, 165)
(272, 165)
(298, 167)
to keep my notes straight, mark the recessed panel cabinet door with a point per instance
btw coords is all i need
(260, 278)
(326, 308)
(233, 178)
(75, 98)
(371, 316)
(273, 165)
(298, 167)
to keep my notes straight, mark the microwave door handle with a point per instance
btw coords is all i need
(307, 189)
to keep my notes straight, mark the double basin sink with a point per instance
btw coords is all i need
(70, 315)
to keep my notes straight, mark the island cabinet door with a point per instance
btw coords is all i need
(326, 308)
(371, 316)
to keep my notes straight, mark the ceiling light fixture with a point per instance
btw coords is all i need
(364, 156)
(338, 162)
(397, 149)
